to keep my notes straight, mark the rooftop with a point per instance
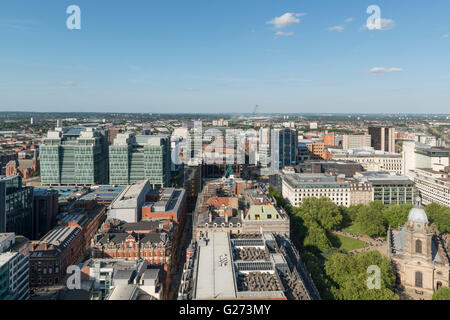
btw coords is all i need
(313, 180)
(129, 196)
(215, 271)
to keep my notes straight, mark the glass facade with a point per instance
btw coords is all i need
(288, 147)
(16, 206)
(398, 194)
(74, 157)
(136, 158)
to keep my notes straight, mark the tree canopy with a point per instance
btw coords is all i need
(442, 294)
(440, 215)
(396, 215)
(350, 275)
(371, 220)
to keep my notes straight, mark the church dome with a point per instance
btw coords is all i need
(418, 214)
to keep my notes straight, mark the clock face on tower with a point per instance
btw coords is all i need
(418, 226)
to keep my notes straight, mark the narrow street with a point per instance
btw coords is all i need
(180, 259)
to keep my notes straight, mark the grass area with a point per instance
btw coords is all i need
(350, 244)
(353, 229)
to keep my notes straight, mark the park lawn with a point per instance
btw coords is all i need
(353, 229)
(350, 244)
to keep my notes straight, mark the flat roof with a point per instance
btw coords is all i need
(215, 276)
(123, 292)
(128, 197)
(104, 192)
(5, 257)
(314, 180)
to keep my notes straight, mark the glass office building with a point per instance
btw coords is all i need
(288, 147)
(133, 158)
(16, 206)
(74, 156)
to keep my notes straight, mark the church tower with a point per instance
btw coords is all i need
(418, 235)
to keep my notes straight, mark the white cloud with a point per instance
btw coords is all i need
(336, 28)
(380, 70)
(68, 84)
(385, 24)
(444, 36)
(286, 20)
(348, 20)
(283, 33)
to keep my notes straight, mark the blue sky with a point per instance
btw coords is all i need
(225, 56)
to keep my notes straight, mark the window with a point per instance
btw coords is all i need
(438, 285)
(419, 279)
(418, 246)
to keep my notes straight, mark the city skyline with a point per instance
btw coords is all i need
(178, 57)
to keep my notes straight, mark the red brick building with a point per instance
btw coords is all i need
(88, 216)
(155, 247)
(50, 256)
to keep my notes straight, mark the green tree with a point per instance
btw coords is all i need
(396, 215)
(316, 268)
(316, 238)
(349, 275)
(440, 215)
(323, 211)
(371, 220)
(442, 294)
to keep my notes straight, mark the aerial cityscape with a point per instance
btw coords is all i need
(224, 166)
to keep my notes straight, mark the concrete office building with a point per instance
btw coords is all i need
(427, 158)
(371, 160)
(16, 206)
(128, 205)
(135, 158)
(389, 188)
(356, 141)
(74, 156)
(14, 267)
(433, 185)
(430, 170)
(296, 187)
(382, 138)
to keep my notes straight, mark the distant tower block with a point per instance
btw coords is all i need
(32, 121)
(59, 123)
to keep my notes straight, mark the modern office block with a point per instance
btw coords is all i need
(288, 147)
(16, 206)
(74, 157)
(136, 158)
(14, 267)
(382, 138)
(356, 141)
